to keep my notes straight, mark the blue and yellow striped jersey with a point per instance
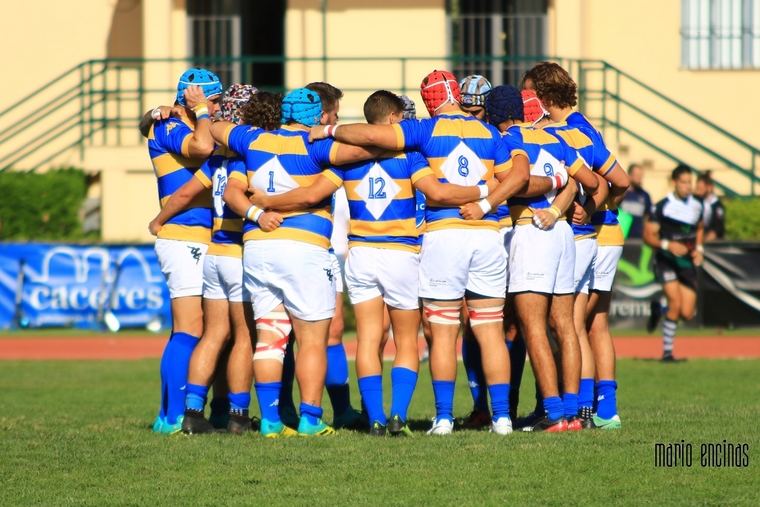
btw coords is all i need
(460, 149)
(382, 201)
(582, 143)
(608, 231)
(227, 231)
(419, 213)
(547, 154)
(167, 145)
(282, 160)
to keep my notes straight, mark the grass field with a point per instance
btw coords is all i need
(77, 433)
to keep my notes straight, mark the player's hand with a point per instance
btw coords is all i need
(492, 185)
(174, 111)
(544, 219)
(678, 249)
(580, 217)
(269, 221)
(471, 211)
(317, 132)
(194, 96)
(154, 227)
(697, 258)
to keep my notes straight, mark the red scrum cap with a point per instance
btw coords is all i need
(532, 106)
(439, 88)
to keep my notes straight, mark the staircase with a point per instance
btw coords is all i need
(90, 113)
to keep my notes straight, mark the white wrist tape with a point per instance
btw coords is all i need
(701, 248)
(156, 114)
(483, 191)
(253, 213)
(485, 206)
(664, 244)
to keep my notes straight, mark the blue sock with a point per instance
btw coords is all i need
(311, 413)
(403, 382)
(288, 374)
(570, 404)
(509, 345)
(371, 388)
(499, 400)
(268, 395)
(606, 399)
(473, 366)
(586, 394)
(553, 407)
(239, 402)
(336, 380)
(443, 390)
(175, 362)
(196, 397)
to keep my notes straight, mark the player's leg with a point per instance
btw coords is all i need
(220, 402)
(585, 257)
(604, 362)
(517, 354)
(369, 370)
(311, 367)
(240, 367)
(471, 359)
(336, 381)
(182, 265)
(672, 291)
(561, 317)
(287, 407)
(203, 364)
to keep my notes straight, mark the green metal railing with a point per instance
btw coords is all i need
(99, 103)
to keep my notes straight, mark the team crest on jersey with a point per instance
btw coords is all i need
(170, 126)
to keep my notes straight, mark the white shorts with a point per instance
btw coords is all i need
(542, 261)
(585, 260)
(455, 260)
(607, 258)
(293, 273)
(337, 265)
(182, 265)
(506, 240)
(392, 274)
(223, 278)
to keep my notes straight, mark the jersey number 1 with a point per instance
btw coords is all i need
(270, 188)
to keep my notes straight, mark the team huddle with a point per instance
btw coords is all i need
(494, 218)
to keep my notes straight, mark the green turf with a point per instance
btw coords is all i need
(76, 433)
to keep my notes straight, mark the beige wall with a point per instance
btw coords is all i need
(367, 29)
(642, 38)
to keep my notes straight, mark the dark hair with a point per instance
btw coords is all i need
(380, 104)
(263, 110)
(553, 85)
(329, 94)
(632, 166)
(679, 170)
(706, 177)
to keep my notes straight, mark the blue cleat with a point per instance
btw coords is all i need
(271, 429)
(158, 424)
(171, 429)
(306, 429)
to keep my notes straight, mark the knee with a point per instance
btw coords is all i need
(335, 333)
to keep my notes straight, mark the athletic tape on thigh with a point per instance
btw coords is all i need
(275, 350)
(445, 315)
(487, 315)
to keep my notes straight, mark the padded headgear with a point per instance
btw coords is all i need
(532, 106)
(475, 89)
(439, 88)
(410, 109)
(504, 103)
(196, 76)
(233, 99)
(302, 106)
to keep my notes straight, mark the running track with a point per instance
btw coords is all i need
(106, 346)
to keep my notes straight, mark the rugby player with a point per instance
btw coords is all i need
(223, 271)
(383, 263)
(177, 147)
(459, 259)
(277, 263)
(558, 93)
(675, 230)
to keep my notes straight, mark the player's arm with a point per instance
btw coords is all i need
(619, 183)
(342, 153)
(298, 198)
(697, 255)
(235, 197)
(582, 214)
(448, 193)
(359, 134)
(513, 182)
(153, 115)
(220, 132)
(176, 203)
(545, 218)
(200, 144)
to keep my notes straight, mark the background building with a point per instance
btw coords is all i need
(665, 80)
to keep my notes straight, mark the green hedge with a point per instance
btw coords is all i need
(742, 219)
(42, 206)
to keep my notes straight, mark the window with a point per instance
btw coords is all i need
(720, 34)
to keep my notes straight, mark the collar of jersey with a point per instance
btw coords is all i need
(295, 128)
(462, 114)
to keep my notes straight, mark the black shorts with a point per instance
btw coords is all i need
(668, 268)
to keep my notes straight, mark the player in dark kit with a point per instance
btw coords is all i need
(674, 229)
